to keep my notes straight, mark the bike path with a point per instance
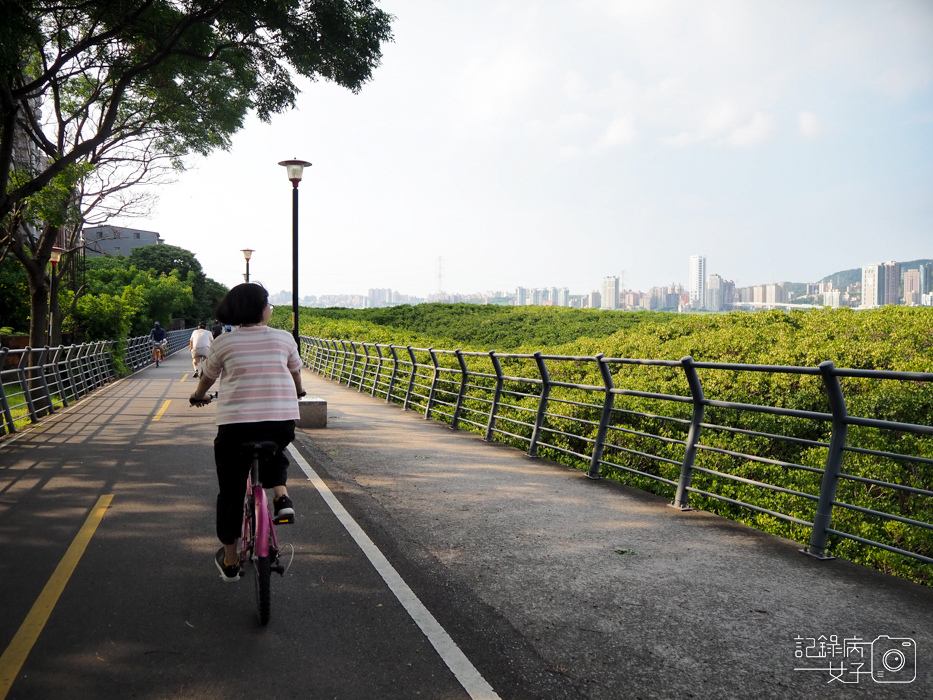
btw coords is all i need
(145, 614)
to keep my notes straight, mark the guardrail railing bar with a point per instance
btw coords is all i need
(464, 377)
(24, 383)
(682, 497)
(496, 397)
(9, 426)
(605, 418)
(411, 377)
(433, 390)
(834, 455)
(394, 375)
(542, 404)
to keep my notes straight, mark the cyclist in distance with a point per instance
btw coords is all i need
(260, 382)
(157, 339)
(200, 347)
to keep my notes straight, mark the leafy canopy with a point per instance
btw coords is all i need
(183, 73)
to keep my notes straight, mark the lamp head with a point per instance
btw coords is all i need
(294, 169)
(56, 255)
(248, 253)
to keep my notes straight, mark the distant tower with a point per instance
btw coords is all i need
(872, 283)
(440, 275)
(698, 281)
(610, 293)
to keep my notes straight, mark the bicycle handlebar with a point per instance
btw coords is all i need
(202, 402)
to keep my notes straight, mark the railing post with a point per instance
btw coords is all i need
(604, 419)
(24, 382)
(497, 396)
(365, 367)
(58, 375)
(394, 373)
(378, 368)
(353, 365)
(433, 389)
(343, 363)
(411, 378)
(41, 364)
(682, 497)
(4, 403)
(542, 404)
(82, 367)
(837, 443)
(463, 386)
(70, 370)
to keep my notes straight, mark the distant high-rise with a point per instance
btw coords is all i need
(912, 287)
(892, 283)
(881, 284)
(714, 289)
(871, 285)
(697, 287)
(610, 293)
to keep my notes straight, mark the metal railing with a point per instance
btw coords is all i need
(822, 474)
(35, 382)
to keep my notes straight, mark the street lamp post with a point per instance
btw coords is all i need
(54, 259)
(294, 169)
(247, 253)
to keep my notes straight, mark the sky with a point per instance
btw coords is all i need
(551, 144)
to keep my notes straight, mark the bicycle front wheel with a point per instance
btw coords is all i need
(262, 569)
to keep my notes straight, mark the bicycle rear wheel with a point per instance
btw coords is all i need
(262, 569)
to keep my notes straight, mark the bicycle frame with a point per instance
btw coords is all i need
(263, 527)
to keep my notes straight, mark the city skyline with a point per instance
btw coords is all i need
(913, 286)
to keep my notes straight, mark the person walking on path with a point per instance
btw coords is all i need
(200, 346)
(260, 382)
(217, 328)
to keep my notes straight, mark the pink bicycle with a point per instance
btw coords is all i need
(259, 545)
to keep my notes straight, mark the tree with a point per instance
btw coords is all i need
(79, 81)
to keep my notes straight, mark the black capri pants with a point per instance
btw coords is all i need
(233, 463)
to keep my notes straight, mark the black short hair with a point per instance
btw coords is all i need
(243, 304)
(202, 325)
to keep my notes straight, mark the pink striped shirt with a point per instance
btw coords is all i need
(254, 364)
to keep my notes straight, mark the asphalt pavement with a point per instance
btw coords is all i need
(550, 585)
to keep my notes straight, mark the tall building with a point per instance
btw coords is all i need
(912, 287)
(871, 283)
(775, 294)
(881, 284)
(697, 285)
(714, 293)
(594, 300)
(892, 283)
(610, 293)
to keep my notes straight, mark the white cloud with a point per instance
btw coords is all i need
(809, 125)
(620, 132)
(761, 128)
(489, 89)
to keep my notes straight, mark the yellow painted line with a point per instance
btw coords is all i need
(158, 416)
(15, 655)
(185, 377)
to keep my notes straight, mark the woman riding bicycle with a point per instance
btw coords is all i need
(260, 381)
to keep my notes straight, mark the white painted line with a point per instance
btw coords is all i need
(471, 680)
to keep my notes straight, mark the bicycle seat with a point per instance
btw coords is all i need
(265, 446)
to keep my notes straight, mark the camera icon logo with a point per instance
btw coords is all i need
(893, 659)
